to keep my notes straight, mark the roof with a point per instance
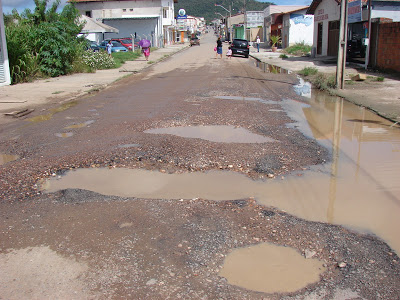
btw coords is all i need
(92, 26)
(313, 6)
(282, 9)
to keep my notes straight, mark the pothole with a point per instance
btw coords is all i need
(214, 133)
(270, 269)
(80, 125)
(64, 134)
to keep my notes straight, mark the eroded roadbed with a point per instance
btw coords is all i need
(160, 249)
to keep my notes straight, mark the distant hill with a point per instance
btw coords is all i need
(207, 9)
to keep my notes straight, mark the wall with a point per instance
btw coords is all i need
(327, 11)
(388, 53)
(4, 65)
(301, 28)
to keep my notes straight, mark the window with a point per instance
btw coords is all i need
(88, 13)
(124, 10)
(165, 12)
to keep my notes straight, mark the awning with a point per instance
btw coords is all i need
(92, 26)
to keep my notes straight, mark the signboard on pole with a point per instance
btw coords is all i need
(354, 11)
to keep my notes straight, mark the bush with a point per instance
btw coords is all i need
(98, 60)
(283, 56)
(298, 49)
(43, 42)
(307, 71)
(324, 82)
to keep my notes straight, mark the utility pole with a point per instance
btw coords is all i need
(369, 35)
(341, 61)
(245, 20)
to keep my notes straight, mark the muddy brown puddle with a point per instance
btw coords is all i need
(5, 158)
(270, 268)
(214, 133)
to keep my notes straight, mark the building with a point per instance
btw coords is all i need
(5, 78)
(298, 27)
(93, 30)
(150, 19)
(254, 23)
(327, 19)
(273, 19)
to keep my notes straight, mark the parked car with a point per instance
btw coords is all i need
(117, 46)
(126, 42)
(92, 45)
(240, 47)
(194, 41)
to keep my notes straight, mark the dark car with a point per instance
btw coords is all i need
(126, 42)
(90, 45)
(240, 47)
(194, 41)
(116, 46)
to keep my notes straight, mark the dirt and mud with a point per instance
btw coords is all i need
(109, 247)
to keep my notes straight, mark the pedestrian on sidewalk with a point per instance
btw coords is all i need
(258, 41)
(146, 52)
(219, 48)
(109, 48)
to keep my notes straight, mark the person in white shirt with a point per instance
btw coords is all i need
(258, 41)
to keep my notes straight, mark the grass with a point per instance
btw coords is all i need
(283, 56)
(121, 57)
(57, 92)
(308, 71)
(298, 49)
(380, 78)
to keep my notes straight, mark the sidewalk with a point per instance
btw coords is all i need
(380, 97)
(64, 88)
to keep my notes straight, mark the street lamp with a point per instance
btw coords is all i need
(230, 20)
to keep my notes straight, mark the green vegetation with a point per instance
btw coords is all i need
(207, 9)
(43, 42)
(324, 81)
(380, 78)
(275, 40)
(307, 71)
(319, 80)
(283, 56)
(298, 49)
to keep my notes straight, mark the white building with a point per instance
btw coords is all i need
(5, 78)
(298, 27)
(150, 19)
(273, 19)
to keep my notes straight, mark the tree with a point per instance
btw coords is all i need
(44, 41)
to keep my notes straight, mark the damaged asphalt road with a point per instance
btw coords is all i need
(77, 244)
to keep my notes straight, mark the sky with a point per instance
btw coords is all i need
(20, 5)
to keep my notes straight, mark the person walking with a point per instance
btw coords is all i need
(229, 53)
(258, 41)
(146, 52)
(219, 48)
(109, 48)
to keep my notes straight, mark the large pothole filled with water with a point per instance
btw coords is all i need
(214, 133)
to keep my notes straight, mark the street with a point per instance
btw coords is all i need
(144, 190)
